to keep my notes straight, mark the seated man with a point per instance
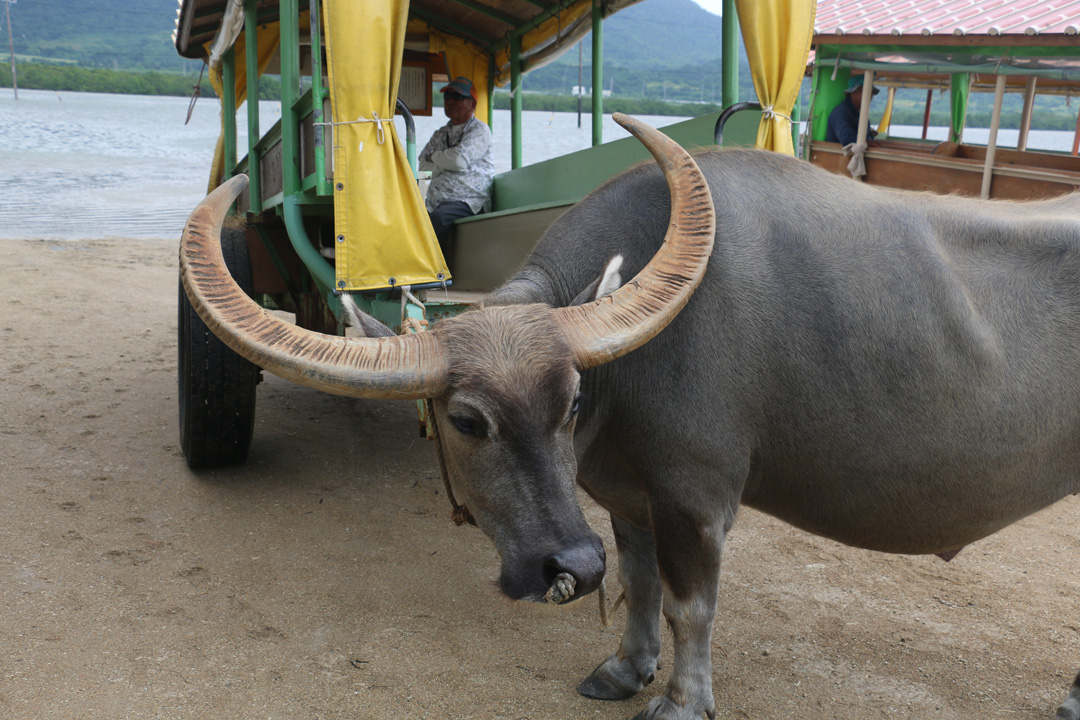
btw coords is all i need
(843, 124)
(460, 159)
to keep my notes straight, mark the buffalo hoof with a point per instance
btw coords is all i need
(1070, 709)
(663, 708)
(614, 679)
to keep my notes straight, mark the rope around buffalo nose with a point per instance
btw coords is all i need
(605, 612)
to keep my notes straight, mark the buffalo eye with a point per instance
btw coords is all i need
(470, 426)
(579, 399)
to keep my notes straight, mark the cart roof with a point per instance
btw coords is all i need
(948, 22)
(919, 43)
(488, 24)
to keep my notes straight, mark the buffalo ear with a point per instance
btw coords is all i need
(604, 285)
(367, 325)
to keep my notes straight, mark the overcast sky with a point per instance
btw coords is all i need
(713, 6)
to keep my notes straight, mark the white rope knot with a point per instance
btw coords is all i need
(380, 134)
(770, 114)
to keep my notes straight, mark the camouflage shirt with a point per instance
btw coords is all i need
(462, 164)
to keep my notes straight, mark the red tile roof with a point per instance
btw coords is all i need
(947, 17)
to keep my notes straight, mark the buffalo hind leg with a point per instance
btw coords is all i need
(634, 664)
(688, 554)
(1070, 709)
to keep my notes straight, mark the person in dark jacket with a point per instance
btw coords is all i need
(843, 124)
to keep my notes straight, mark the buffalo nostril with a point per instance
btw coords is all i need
(584, 563)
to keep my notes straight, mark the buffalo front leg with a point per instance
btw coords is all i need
(633, 665)
(688, 547)
(1070, 709)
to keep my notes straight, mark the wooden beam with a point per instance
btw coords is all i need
(489, 12)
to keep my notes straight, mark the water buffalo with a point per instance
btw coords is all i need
(896, 371)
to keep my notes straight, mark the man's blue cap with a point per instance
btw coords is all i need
(855, 83)
(462, 86)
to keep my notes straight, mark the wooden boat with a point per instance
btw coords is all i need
(958, 47)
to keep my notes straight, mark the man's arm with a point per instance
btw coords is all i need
(424, 161)
(475, 144)
(449, 159)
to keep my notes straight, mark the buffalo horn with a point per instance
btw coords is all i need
(605, 329)
(403, 367)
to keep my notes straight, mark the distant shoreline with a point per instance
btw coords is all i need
(66, 78)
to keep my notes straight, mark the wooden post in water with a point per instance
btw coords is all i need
(11, 46)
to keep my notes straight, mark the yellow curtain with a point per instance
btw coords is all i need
(388, 238)
(269, 40)
(886, 118)
(544, 33)
(777, 34)
(465, 58)
(462, 58)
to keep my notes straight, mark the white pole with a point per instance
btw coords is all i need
(1025, 116)
(864, 111)
(991, 142)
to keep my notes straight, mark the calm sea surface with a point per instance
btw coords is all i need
(87, 165)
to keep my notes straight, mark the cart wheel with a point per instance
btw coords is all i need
(216, 386)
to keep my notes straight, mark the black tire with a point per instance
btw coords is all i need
(216, 387)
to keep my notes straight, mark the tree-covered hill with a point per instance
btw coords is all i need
(126, 35)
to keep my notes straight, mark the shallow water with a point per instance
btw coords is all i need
(90, 165)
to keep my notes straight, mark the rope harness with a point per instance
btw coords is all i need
(460, 513)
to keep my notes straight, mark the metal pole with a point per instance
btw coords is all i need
(580, 57)
(228, 109)
(251, 67)
(290, 90)
(515, 101)
(597, 74)
(729, 55)
(491, 91)
(991, 142)
(11, 46)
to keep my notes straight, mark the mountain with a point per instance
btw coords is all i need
(659, 49)
(659, 34)
(127, 35)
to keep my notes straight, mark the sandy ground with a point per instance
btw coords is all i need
(324, 578)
